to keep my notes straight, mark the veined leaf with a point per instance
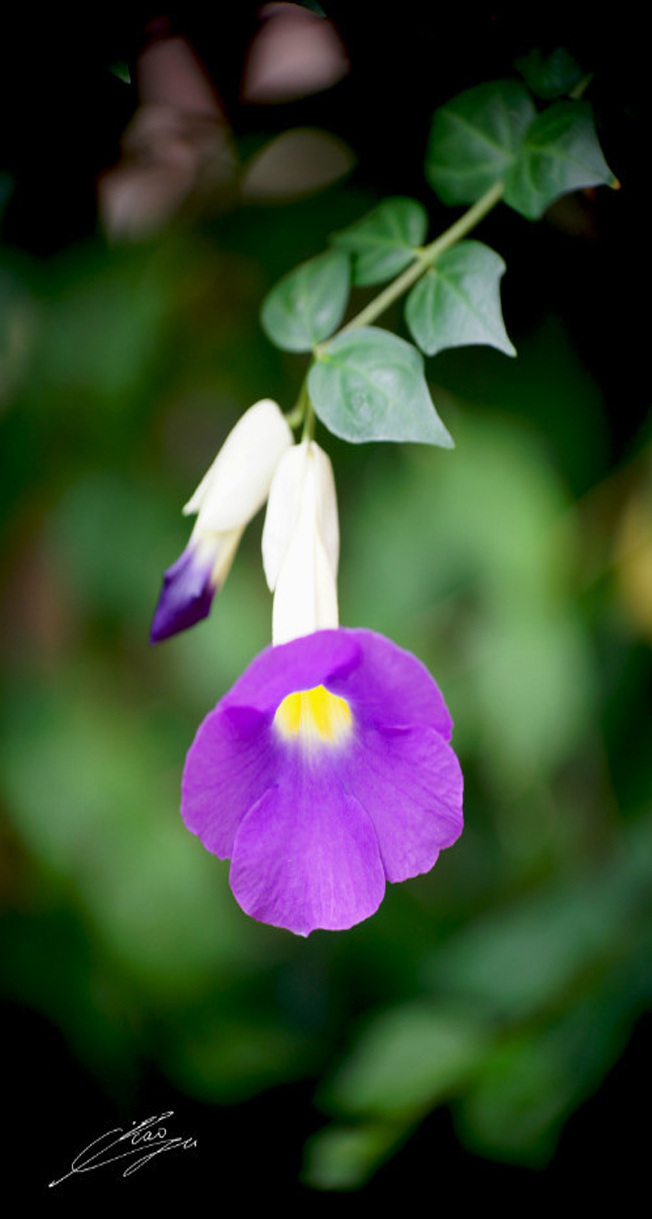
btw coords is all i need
(457, 303)
(369, 385)
(383, 243)
(560, 153)
(308, 304)
(475, 139)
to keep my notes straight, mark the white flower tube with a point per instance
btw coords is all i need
(228, 496)
(301, 543)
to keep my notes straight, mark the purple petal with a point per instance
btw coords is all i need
(390, 686)
(386, 684)
(185, 597)
(230, 765)
(324, 658)
(410, 783)
(306, 856)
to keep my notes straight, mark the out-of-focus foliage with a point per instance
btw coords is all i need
(552, 75)
(507, 981)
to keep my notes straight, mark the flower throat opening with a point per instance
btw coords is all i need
(314, 715)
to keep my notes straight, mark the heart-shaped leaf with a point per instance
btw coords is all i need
(368, 384)
(560, 153)
(384, 242)
(308, 304)
(475, 139)
(457, 303)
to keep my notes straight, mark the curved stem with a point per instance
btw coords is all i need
(302, 413)
(298, 415)
(426, 257)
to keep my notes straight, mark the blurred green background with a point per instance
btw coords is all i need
(506, 984)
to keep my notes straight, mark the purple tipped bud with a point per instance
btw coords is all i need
(185, 597)
(228, 496)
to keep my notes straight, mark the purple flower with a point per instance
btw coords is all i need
(325, 771)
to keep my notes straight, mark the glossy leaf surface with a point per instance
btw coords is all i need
(307, 304)
(383, 243)
(560, 153)
(369, 385)
(457, 303)
(475, 139)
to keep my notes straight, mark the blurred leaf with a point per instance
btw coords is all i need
(521, 960)
(407, 1058)
(102, 330)
(549, 76)
(457, 302)
(100, 810)
(516, 1109)
(487, 555)
(308, 304)
(344, 1157)
(231, 1057)
(526, 649)
(107, 531)
(560, 153)
(52, 964)
(384, 242)
(475, 139)
(369, 385)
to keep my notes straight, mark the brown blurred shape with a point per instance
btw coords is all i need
(178, 157)
(295, 53)
(176, 149)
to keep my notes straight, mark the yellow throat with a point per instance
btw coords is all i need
(314, 716)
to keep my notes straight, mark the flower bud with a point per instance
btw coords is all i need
(228, 497)
(301, 543)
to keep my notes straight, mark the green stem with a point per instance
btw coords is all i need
(302, 413)
(297, 415)
(426, 257)
(309, 422)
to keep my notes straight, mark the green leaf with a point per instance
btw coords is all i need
(550, 76)
(345, 1157)
(408, 1057)
(121, 70)
(383, 243)
(457, 303)
(560, 153)
(369, 385)
(475, 139)
(536, 1077)
(308, 304)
